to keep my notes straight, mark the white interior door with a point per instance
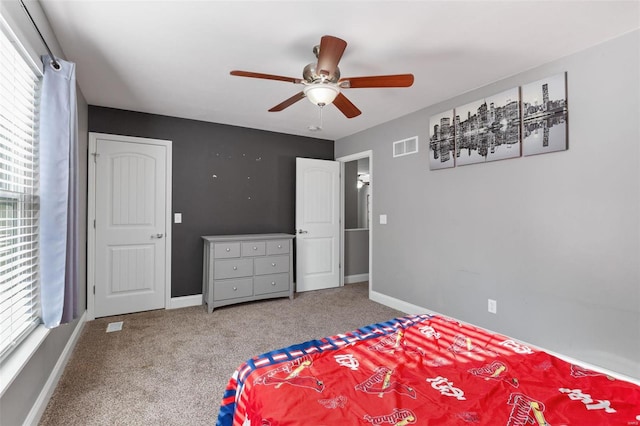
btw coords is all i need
(130, 226)
(317, 224)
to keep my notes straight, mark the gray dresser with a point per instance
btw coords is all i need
(242, 268)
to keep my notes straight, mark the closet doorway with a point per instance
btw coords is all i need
(356, 173)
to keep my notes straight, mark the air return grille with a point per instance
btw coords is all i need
(405, 147)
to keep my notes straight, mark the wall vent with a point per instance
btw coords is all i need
(405, 147)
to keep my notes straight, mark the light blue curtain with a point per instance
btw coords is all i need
(58, 193)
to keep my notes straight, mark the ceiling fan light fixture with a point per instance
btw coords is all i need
(321, 94)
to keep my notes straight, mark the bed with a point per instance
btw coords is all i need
(423, 370)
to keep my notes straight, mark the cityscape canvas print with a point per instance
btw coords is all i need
(441, 142)
(488, 129)
(544, 121)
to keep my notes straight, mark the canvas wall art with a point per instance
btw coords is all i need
(544, 117)
(488, 129)
(441, 142)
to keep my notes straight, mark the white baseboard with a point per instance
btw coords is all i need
(349, 279)
(410, 308)
(401, 305)
(185, 301)
(47, 390)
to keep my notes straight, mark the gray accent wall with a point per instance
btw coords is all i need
(553, 238)
(226, 180)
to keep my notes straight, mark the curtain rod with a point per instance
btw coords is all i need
(54, 61)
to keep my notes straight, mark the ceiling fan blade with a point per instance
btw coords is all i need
(292, 100)
(265, 76)
(331, 50)
(346, 107)
(397, 80)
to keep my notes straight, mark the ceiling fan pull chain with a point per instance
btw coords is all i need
(315, 128)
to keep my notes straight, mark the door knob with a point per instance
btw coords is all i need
(302, 231)
(157, 236)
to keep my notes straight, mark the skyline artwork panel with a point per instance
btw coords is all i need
(441, 141)
(488, 129)
(544, 121)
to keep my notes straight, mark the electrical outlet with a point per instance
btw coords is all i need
(492, 306)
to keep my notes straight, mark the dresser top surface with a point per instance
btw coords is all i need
(247, 237)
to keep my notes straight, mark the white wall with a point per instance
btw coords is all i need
(27, 395)
(554, 238)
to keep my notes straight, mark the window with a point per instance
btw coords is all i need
(19, 201)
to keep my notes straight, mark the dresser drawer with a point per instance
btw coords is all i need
(271, 265)
(278, 247)
(232, 289)
(270, 283)
(223, 250)
(232, 268)
(253, 248)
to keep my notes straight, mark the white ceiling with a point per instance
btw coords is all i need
(174, 57)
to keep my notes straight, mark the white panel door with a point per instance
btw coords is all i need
(317, 224)
(130, 235)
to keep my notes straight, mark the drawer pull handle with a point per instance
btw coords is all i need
(255, 248)
(273, 283)
(228, 249)
(235, 268)
(235, 289)
(273, 264)
(279, 245)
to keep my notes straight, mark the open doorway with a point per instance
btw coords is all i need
(356, 207)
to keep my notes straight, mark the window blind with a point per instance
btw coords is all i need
(19, 201)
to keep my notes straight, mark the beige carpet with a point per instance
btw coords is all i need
(170, 367)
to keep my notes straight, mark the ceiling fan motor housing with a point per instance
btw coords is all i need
(310, 75)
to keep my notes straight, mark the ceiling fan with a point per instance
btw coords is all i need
(322, 82)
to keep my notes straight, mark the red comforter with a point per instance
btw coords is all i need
(423, 370)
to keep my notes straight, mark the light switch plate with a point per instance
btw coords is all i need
(177, 218)
(383, 219)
